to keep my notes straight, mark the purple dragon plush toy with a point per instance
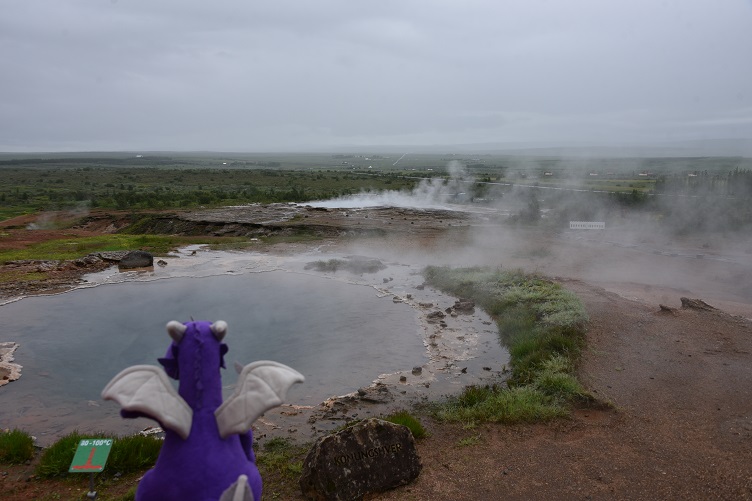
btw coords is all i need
(207, 452)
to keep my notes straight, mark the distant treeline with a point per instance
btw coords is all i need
(152, 161)
(144, 161)
(54, 188)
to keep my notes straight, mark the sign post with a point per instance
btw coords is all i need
(90, 457)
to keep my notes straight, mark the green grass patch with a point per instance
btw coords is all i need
(16, 446)
(542, 326)
(21, 276)
(57, 458)
(519, 404)
(404, 418)
(133, 453)
(128, 454)
(281, 458)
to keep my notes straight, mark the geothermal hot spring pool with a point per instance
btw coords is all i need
(341, 330)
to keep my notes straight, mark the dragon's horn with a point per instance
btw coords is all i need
(219, 328)
(176, 330)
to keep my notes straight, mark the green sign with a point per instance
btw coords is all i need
(91, 455)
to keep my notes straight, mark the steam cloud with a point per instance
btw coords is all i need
(436, 193)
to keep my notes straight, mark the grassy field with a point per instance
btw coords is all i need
(40, 182)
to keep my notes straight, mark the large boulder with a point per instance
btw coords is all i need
(372, 456)
(136, 259)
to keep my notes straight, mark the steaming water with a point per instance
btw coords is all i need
(434, 193)
(340, 336)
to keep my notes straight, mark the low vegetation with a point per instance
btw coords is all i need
(76, 247)
(543, 327)
(412, 423)
(16, 446)
(128, 454)
(280, 463)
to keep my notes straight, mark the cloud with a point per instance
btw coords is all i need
(238, 75)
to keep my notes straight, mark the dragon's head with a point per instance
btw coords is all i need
(195, 356)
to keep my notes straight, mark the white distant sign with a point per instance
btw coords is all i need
(587, 225)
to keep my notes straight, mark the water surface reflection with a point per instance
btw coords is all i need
(340, 335)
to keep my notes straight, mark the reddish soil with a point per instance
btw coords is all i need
(680, 426)
(24, 231)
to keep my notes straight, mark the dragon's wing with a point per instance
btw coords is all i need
(146, 389)
(261, 386)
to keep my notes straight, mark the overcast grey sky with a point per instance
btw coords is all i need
(252, 75)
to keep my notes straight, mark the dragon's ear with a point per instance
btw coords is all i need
(170, 362)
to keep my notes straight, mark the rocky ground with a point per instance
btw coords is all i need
(679, 379)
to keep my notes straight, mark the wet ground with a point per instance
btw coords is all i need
(637, 261)
(460, 346)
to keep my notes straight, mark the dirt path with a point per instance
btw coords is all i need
(681, 383)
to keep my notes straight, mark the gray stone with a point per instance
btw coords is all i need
(136, 259)
(464, 306)
(112, 255)
(372, 456)
(697, 304)
(435, 317)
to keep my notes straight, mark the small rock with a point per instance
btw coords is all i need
(403, 379)
(465, 306)
(435, 316)
(162, 262)
(417, 371)
(136, 259)
(697, 304)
